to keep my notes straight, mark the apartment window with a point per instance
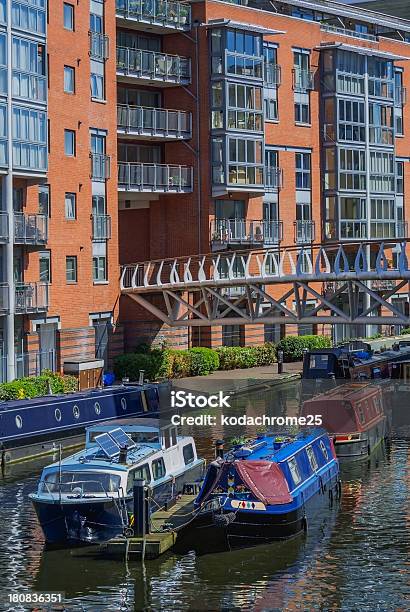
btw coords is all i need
(399, 100)
(271, 70)
(271, 104)
(71, 268)
(96, 23)
(69, 143)
(303, 170)
(245, 161)
(350, 72)
(381, 77)
(351, 121)
(70, 206)
(69, 79)
(352, 174)
(244, 107)
(29, 69)
(382, 222)
(353, 224)
(381, 172)
(97, 86)
(99, 269)
(381, 119)
(244, 54)
(272, 171)
(218, 169)
(44, 200)
(400, 177)
(44, 258)
(68, 17)
(29, 138)
(229, 209)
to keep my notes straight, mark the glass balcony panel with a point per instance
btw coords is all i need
(164, 13)
(154, 177)
(304, 231)
(30, 229)
(31, 297)
(101, 227)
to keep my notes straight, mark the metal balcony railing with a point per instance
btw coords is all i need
(101, 227)
(154, 178)
(99, 45)
(162, 13)
(304, 231)
(273, 75)
(329, 133)
(273, 178)
(100, 166)
(30, 229)
(245, 231)
(31, 297)
(383, 229)
(35, 362)
(151, 65)
(154, 122)
(343, 32)
(303, 80)
(400, 96)
(402, 229)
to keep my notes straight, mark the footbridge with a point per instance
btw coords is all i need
(350, 283)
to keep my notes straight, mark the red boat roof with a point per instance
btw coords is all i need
(266, 481)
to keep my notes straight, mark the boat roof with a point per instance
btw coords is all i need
(350, 391)
(296, 443)
(129, 425)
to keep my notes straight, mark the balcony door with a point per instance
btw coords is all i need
(230, 219)
(102, 329)
(47, 333)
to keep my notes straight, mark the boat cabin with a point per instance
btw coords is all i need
(348, 410)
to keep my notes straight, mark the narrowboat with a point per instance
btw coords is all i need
(354, 415)
(29, 427)
(266, 490)
(87, 498)
(324, 369)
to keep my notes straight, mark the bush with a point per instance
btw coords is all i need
(405, 331)
(292, 346)
(203, 361)
(233, 357)
(154, 364)
(38, 386)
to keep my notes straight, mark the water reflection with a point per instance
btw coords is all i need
(356, 556)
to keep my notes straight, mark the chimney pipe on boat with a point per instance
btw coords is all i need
(219, 449)
(123, 454)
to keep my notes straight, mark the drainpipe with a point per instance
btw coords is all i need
(9, 248)
(367, 299)
(198, 139)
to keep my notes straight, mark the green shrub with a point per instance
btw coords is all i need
(405, 331)
(203, 361)
(38, 386)
(292, 346)
(233, 357)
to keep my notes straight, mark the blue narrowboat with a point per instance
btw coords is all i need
(87, 498)
(265, 491)
(26, 426)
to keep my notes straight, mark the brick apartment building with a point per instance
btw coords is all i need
(142, 129)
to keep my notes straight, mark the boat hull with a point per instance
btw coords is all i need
(207, 535)
(92, 521)
(361, 449)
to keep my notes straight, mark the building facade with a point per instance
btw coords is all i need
(141, 129)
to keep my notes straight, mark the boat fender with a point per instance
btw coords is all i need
(331, 498)
(305, 524)
(339, 489)
(223, 520)
(5, 458)
(128, 532)
(321, 486)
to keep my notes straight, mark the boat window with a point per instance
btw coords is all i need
(142, 472)
(188, 453)
(57, 414)
(81, 482)
(324, 450)
(158, 469)
(312, 458)
(166, 438)
(97, 408)
(294, 470)
(319, 362)
(19, 422)
(360, 413)
(123, 403)
(76, 412)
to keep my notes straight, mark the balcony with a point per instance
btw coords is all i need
(149, 67)
(154, 178)
(244, 232)
(303, 80)
(101, 227)
(273, 179)
(99, 46)
(305, 231)
(154, 15)
(352, 33)
(31, 297)
(35, 362)
(153, 123)
(100, 166)
(273, 75)
(30, 229)
(352, 229)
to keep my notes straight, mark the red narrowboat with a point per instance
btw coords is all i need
(354, 415)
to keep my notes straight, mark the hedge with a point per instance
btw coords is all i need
(199, 361)
(292, 346)
(405, 331)
(38, 386)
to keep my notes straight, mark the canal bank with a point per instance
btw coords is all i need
(240, 382)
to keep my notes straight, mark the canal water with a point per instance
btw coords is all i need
(356, 557)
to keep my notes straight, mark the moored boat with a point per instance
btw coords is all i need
(267, 490)
(88, 497)
(354, 415)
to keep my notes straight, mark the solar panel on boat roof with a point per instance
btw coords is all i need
(121, 438)
(109, 447)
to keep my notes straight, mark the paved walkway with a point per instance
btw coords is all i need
(235, 382)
